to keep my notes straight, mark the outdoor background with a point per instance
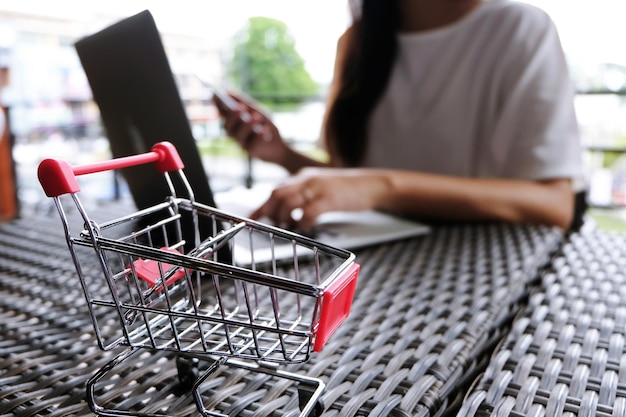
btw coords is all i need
(52, 113)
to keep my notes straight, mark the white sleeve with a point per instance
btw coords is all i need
(537, 133)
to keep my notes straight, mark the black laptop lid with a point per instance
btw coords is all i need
(134, 88)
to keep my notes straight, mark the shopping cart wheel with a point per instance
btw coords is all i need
(188, 371)
(306, 390)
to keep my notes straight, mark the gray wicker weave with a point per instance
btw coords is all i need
(426, 316)
(566, 352)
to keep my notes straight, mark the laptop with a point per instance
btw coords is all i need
(133, 85)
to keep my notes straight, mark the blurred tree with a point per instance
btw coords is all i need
(266, 66)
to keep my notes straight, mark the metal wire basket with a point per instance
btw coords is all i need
(185, 293)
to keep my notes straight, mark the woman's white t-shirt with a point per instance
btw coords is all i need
(489, 96)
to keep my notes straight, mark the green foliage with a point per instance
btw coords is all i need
(222, 147)
(227, 147)
(266, 65)
(610, 158)
(608, 220)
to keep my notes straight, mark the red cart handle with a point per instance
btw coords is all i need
(57, 177)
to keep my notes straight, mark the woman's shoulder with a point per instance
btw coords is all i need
(512, 12)
(514, 22)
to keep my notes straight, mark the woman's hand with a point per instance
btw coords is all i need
(252, 129)
(313, 191)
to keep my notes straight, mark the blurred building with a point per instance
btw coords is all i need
(47, 90)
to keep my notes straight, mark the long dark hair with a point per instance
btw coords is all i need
(364, 65)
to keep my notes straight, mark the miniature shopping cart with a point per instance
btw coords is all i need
(157, 288)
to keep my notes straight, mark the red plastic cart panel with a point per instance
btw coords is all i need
(336, 304)
(148, 270)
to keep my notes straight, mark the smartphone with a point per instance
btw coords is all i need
(225, 99)
(230, 105)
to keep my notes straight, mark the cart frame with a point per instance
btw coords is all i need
(169, 291)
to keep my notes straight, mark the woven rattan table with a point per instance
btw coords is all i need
(427, 315)
(566, 352)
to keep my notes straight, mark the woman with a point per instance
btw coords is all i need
(439, 109)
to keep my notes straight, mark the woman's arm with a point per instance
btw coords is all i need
(256, 134)
(420, 195)
(549, 202)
